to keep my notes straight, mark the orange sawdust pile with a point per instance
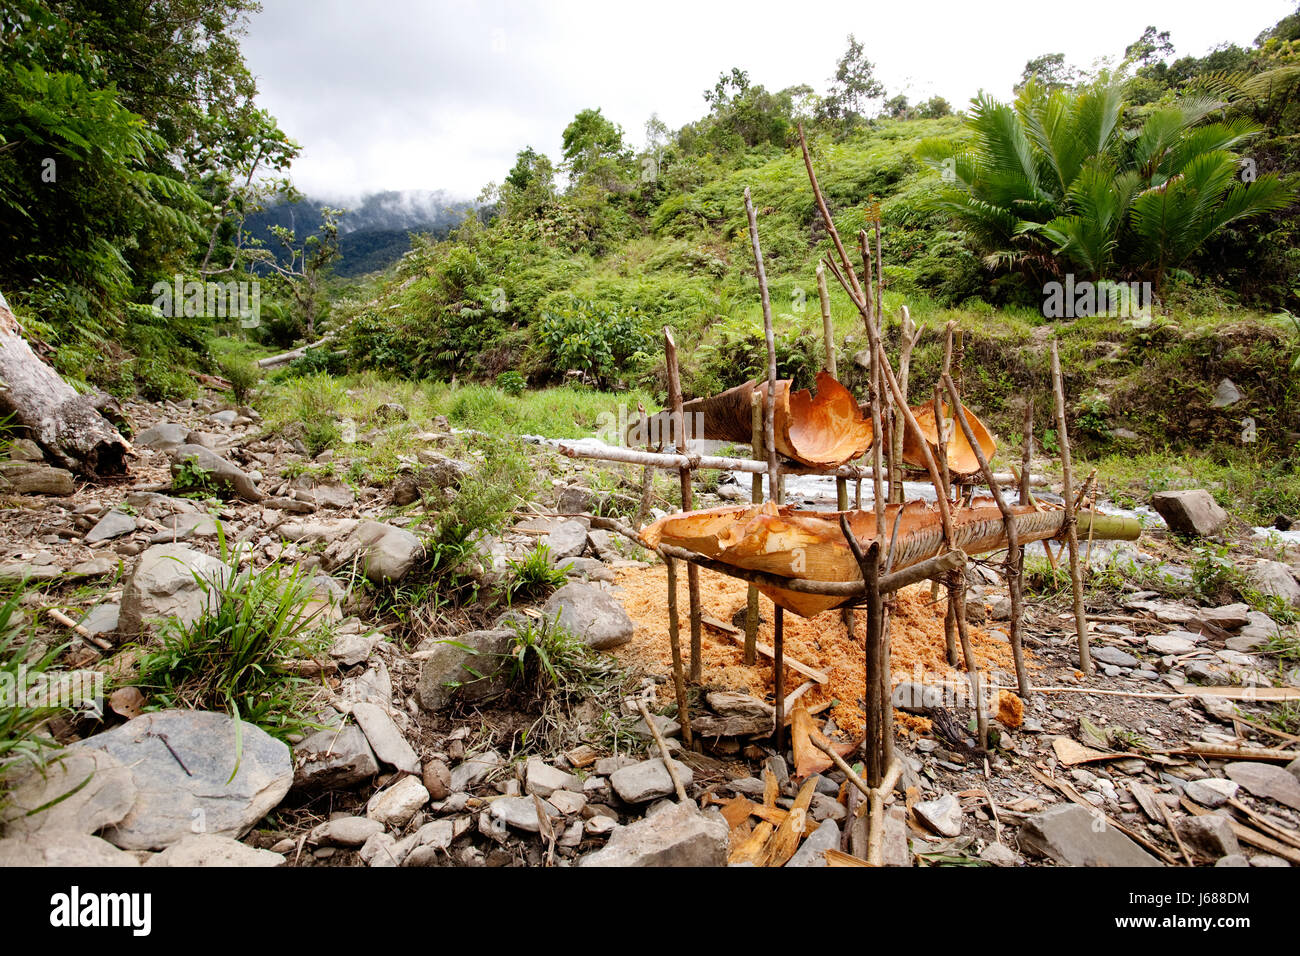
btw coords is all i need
(822, 642)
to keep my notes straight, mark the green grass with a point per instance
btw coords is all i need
(24, 736)
(534, 577)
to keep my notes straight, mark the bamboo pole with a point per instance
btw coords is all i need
(1071, 531)
(679, 425)
(769, 426)
(1013, 539)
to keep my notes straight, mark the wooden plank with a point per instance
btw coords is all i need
(786, 839)
(839, 858)
(749, 850)
(738, 637)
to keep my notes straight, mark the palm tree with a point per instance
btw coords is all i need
(1058, 182)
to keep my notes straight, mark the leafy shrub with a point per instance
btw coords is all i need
(192, 478)
(242, 374)
(511, 382)
(534, 576)
(601, 342)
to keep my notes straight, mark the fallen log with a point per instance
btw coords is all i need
(63, 422)
(284, 358)
(808, 545)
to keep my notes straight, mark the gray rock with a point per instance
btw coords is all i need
(567, 541)
(1114, 656)
(208, 849)
(82, 791)
(22, 478)
(383, 552)
(164, 436)
(112, 525)
(385, 739)
(1190, 511)
(999, 855)
(173, 801)
(333, 760)
(101, 619)
(1226, 395)
(470, 773)
(93, 568)
(732, 703)
(1276, 580)
(575, 499)
(593, 615)
(812, 852)
(648, 780)
(943, 815)
(1209, 837)
(1211, 791)
(468, 667)
(543, 779)
(345, 831)
(1267, 781)
(24, 449)
(896, 851)
(521, 812)
(1229, 617)
(1233, 859)
(163, 586)
(679, 835)
(395, 805)
(1267, 859)
(1293, 768)
(62, 848)
(1073, 836)
(917, 698)
(222, 473)
(1170, 644)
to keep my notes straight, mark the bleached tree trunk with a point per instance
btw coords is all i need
(63, 422)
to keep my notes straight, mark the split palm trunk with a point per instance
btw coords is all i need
(809, 545)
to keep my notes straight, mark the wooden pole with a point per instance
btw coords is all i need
(1013, 539)
(1071, 529)
(675, 642)
(909, 335)
(679, 425)
(756, 497)
(769, 426)
(663, 750)
(1028, 451)
(874, 718)
(828, 328)
(778, 662)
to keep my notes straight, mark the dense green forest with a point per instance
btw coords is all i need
(134, 153)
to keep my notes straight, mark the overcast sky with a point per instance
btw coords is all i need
(441, 94)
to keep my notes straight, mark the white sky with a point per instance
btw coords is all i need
(404, 94)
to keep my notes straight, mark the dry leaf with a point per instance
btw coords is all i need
(127, 701)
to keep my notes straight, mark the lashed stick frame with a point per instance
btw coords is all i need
(877, 579)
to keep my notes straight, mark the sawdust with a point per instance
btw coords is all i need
(822, 642)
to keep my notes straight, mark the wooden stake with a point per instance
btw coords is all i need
(1009, 522)
(874, 663)
(769, 427)
(1028, 451)
(778, 662)
(828, 328)
(909, 335)
(663, 750)
(756, 497)
(675, 643)
(679, 425)
(1071, 531)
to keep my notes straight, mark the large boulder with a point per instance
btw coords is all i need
(168, 584)
(468, 667)
(384, 553)
(208, 849)
(23, 478)
(1073, 836)
(1275, 579)
(164, 436)
(76, 791)
(193, 776)
(1190, 511)
(592, 615)
(222, 473)
(62, 848)
(679, 835)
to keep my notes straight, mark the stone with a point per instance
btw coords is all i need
(1226, 394)
(1170, 644)
(1190, 511)
(474, 771)
(101, 619)
(112, 525)
(333, 760)
(163, 586)
(385, 850)
(543, 779)
(395, 805)
(1230, 617)
(208, 849)
(345, 831)
(600, 825)
(1275, 579)
(1208, 837)
(164, 436)
(1107, 654)
(1211, 791)
(593, 615)
(942, 815)
(384, 553)
(575, 499)
(999, 855)
(392, 412)
(385, 739)
(93, 568)
(82, 791)
(917, 698)
(732, 703)
(666, 725)
(467, 667)
(1268, 859)
(22, 478)
(62, 848)
(1293, 768)
(222, 473)
(437, 779)
(521, 812)
(567, 541)
(24, 449)
(812, 852)
(171, 798)
(679, 835)
(648, 780)
(1073, 836)
(567, 802)
(1233, 859)
(1267, 781)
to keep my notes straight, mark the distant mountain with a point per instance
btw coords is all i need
(373, 233)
